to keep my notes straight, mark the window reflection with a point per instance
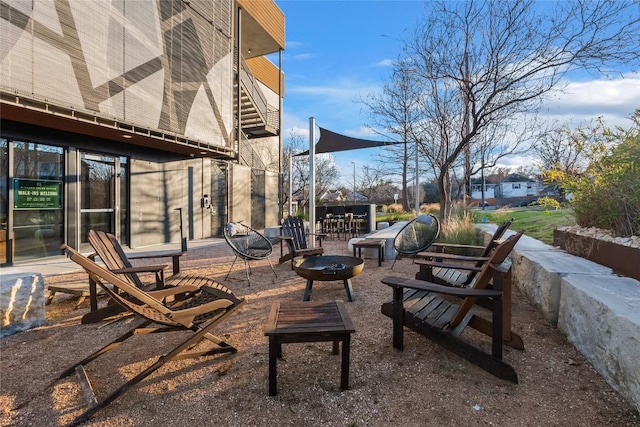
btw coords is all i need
(37, 216)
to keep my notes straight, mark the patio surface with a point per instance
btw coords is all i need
(423, 386)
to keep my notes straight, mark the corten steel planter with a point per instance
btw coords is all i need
(624, 260)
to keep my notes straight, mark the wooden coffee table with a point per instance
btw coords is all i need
(308, 322)
(370, 243)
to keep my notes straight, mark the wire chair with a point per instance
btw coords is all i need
(416, 236)
(247, 244)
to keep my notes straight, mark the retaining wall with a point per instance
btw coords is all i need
(597, 310)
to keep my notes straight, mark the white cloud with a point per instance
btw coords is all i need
(361, 132)
(293, 44)
(304, 56)
(582, 101)
(384, 63)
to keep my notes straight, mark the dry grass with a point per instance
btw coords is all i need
(422, 386)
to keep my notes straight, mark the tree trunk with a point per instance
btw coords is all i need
(405, 191)
(444, 191)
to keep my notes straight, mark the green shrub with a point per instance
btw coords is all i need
(549, 203)
(607, 194)
(302, 214)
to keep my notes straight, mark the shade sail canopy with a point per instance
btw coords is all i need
(330, 142)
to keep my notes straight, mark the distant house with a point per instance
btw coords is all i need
(512, 189)
(476, 189)
(356, 197)
(516, 185)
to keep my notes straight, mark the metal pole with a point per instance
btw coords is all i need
(290, 183)
(280, 183)
(239, 87)
(417, 180)
(312, 179)
(354, 182)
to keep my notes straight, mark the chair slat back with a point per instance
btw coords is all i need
(482, 280)
(111, 253)
(294, 227)
(495, 239)
(102, 275)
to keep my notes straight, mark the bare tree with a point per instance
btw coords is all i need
(561, 150)
(482, 64)
(327, 173)
(393, 112)
(375, 185)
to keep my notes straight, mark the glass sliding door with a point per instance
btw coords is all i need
(103, 190)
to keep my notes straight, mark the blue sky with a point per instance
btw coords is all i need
(337, 51)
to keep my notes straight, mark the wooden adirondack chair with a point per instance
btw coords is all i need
(426, 308)
(295, 236)
(453, 269)
(108, 249)
(197, 306)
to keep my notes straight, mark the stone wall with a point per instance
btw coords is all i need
(597, 310)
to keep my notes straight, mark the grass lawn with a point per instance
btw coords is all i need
(535, 221)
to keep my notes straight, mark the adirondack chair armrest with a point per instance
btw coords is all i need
(141, 269)
(174, 255)
(155, 255)
(451, 257)
(443, 246)
(285, 238)
(439, 264)
(503, 267)
(399, 282)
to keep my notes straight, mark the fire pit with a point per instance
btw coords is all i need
(326, 268)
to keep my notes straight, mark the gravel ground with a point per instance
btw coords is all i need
(424, 385)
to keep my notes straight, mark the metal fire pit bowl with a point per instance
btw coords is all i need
(326, 268)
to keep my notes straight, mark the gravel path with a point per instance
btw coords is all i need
(424, 385)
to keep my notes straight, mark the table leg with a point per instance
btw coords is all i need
(307, 290)
(380, 256)
(273, 357)
(349, 289)
(346, 350)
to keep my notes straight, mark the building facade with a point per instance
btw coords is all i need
(150, 119)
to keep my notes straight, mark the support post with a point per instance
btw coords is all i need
(312, 179)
